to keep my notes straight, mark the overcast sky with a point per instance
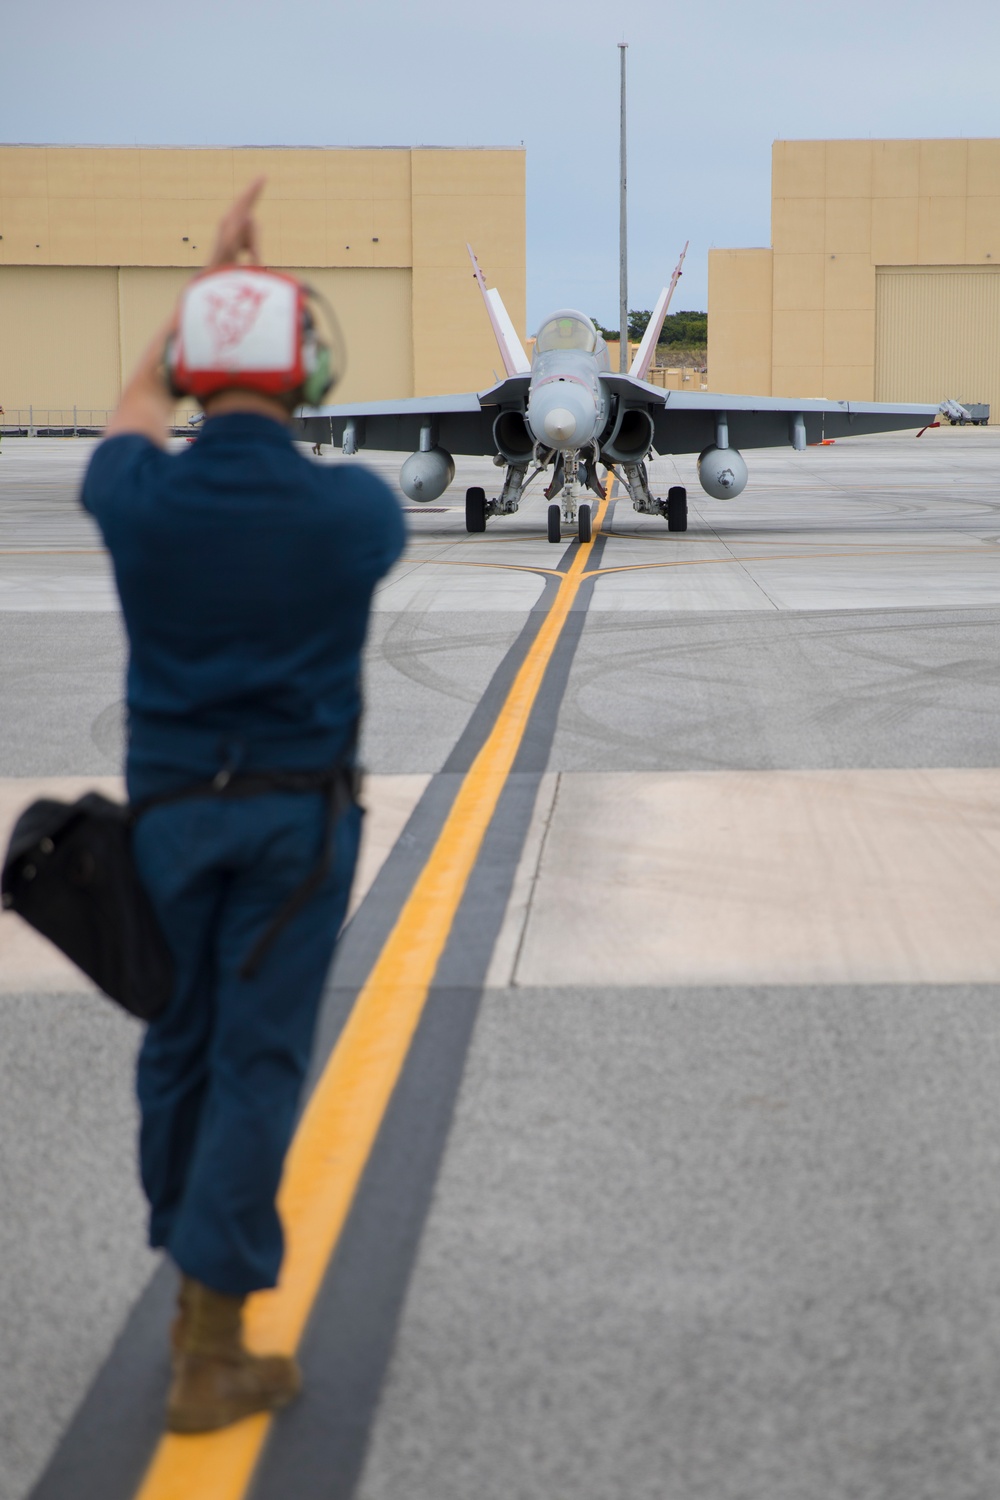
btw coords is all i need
(711, 85)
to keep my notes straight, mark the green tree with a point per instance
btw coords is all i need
(638, 323)
(688, 329)
(684, 330)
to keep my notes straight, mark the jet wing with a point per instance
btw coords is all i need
(685, 421)
(460, 424)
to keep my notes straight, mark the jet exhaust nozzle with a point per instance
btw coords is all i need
(722, 472)
(426, 476)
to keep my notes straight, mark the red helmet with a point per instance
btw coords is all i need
(244, 328)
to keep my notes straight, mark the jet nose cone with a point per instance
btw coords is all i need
(560, 425)
(562, 412)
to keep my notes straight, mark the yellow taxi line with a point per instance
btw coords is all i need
(460, 562)
(340, 1123)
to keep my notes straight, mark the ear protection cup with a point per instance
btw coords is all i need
(319, 378)
(322, 369)
(170, 366)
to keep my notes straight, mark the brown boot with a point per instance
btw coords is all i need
(216, 1379)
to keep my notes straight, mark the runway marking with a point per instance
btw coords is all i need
(731, 539)
(459, 562)
(446, 539)
(341, 1121)
(704, 562)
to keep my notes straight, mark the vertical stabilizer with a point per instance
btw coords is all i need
(515, 361)
(644, 354)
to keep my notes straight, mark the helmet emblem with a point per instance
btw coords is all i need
(232, 312)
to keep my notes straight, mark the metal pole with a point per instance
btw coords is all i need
(622, 235)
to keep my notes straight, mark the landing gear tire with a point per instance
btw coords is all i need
(677, 508)
(475, 509)
(555, 524)
(583, 522)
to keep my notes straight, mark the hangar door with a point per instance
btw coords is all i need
(68, 332)
(373, 306)
(937, 334)
(58, 341)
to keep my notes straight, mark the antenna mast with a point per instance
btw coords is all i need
(622, 234)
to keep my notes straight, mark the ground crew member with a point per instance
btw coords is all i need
(245, 574)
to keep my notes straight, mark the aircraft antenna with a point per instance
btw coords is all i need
(622, 233)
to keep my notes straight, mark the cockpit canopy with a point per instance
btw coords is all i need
(566, 330)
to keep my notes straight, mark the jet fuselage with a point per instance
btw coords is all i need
(568, 404)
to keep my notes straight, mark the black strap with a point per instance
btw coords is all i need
(342, 791)
(341, 785)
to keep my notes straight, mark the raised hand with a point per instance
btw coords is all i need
(238, 231)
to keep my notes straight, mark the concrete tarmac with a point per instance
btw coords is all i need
(711, 1202)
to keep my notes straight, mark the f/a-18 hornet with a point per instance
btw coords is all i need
(566, 410)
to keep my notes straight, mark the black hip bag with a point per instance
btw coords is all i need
(71, 874)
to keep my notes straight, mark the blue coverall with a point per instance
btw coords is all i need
(245, 574)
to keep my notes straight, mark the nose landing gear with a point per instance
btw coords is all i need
(571, 475)
(584, 527)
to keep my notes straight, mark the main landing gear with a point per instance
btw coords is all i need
(675, 508)
(572, 476)
(478, 509)
(475, 509)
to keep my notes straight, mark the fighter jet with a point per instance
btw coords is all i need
(565, 411)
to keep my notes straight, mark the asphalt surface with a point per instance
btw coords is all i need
(690, 1186)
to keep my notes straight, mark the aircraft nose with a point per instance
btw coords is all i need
(562, 414)
(560, 425)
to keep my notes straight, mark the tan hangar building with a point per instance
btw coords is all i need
(882, 281)
(96, 242)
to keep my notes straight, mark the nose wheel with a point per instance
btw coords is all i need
(584, 525)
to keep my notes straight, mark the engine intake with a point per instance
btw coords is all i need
(514, 442)
(631, 437)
